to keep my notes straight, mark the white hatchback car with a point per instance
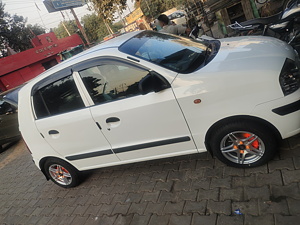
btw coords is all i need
(149, 95)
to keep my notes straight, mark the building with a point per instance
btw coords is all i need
(21, 67)
(223, 13)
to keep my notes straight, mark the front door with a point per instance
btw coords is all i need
(138, 127)
(68, 127)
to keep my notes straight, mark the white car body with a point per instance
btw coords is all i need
(242, 80)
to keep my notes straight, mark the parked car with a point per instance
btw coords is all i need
(178, 17)
(148, 95)
(9, 128)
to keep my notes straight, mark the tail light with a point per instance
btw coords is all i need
(289, 77)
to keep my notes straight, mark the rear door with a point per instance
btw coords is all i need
(67, 125)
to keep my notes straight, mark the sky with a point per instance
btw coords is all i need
(28, 9)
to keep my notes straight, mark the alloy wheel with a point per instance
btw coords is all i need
(242, 147)
(60, 174)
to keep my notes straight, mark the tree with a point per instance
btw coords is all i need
(95, 28)
(152, 8)
(117, 26)
(15, 33)
(61, 32)
(107, 8)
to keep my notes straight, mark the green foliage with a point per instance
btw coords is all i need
(93, 25)
(152, 8)
(108, 8)
(117, 26)
(95, 28)
(15, 33)
(61, 32)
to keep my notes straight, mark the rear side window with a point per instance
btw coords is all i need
(59, 97)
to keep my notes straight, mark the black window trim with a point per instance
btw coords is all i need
(51, 79)
(81, 66)
(101, 61)
(105, 60)
(69, 71)
(36, 88)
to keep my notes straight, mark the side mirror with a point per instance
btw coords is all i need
(153, 82)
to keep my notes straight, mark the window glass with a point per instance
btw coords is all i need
(61, 96)
(173, 52)
(112, 82)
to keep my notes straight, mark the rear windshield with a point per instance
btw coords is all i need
(176, 53)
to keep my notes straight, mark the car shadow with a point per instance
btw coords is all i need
(7, 146)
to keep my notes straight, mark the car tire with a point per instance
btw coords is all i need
(62, 173)
(243, 144)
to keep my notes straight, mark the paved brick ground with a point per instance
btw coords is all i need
(193, 189)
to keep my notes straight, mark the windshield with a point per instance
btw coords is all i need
(176, 53)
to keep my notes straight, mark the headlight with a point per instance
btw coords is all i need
(289, 77)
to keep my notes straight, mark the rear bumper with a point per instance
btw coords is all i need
(283, 113)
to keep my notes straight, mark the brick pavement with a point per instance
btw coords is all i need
(193, 189)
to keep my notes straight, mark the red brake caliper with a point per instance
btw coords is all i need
(255, 143)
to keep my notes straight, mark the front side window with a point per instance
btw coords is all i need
(172, 52)
(112, 82)
(59, 97)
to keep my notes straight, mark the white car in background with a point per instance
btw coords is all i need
(148, 95)
(178, 17)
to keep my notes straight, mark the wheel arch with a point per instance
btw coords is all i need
(45, 159)
(247, 118)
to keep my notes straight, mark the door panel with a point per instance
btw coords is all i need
(76, 136)
(137, 126)
(149, 125)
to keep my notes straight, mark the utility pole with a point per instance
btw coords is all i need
(64, 25)
(206, 18)
(80, 27)
(38, 10)
(66, 29)
(121, 18)
(105, 23)
(110, 31)
(128, 8)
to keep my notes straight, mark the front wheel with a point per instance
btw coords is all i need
(243, 144)
(61, 173)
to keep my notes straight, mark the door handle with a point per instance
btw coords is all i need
(112, 120)
(53, 132)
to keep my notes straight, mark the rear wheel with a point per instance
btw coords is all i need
(243, 144)
(61, 173)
